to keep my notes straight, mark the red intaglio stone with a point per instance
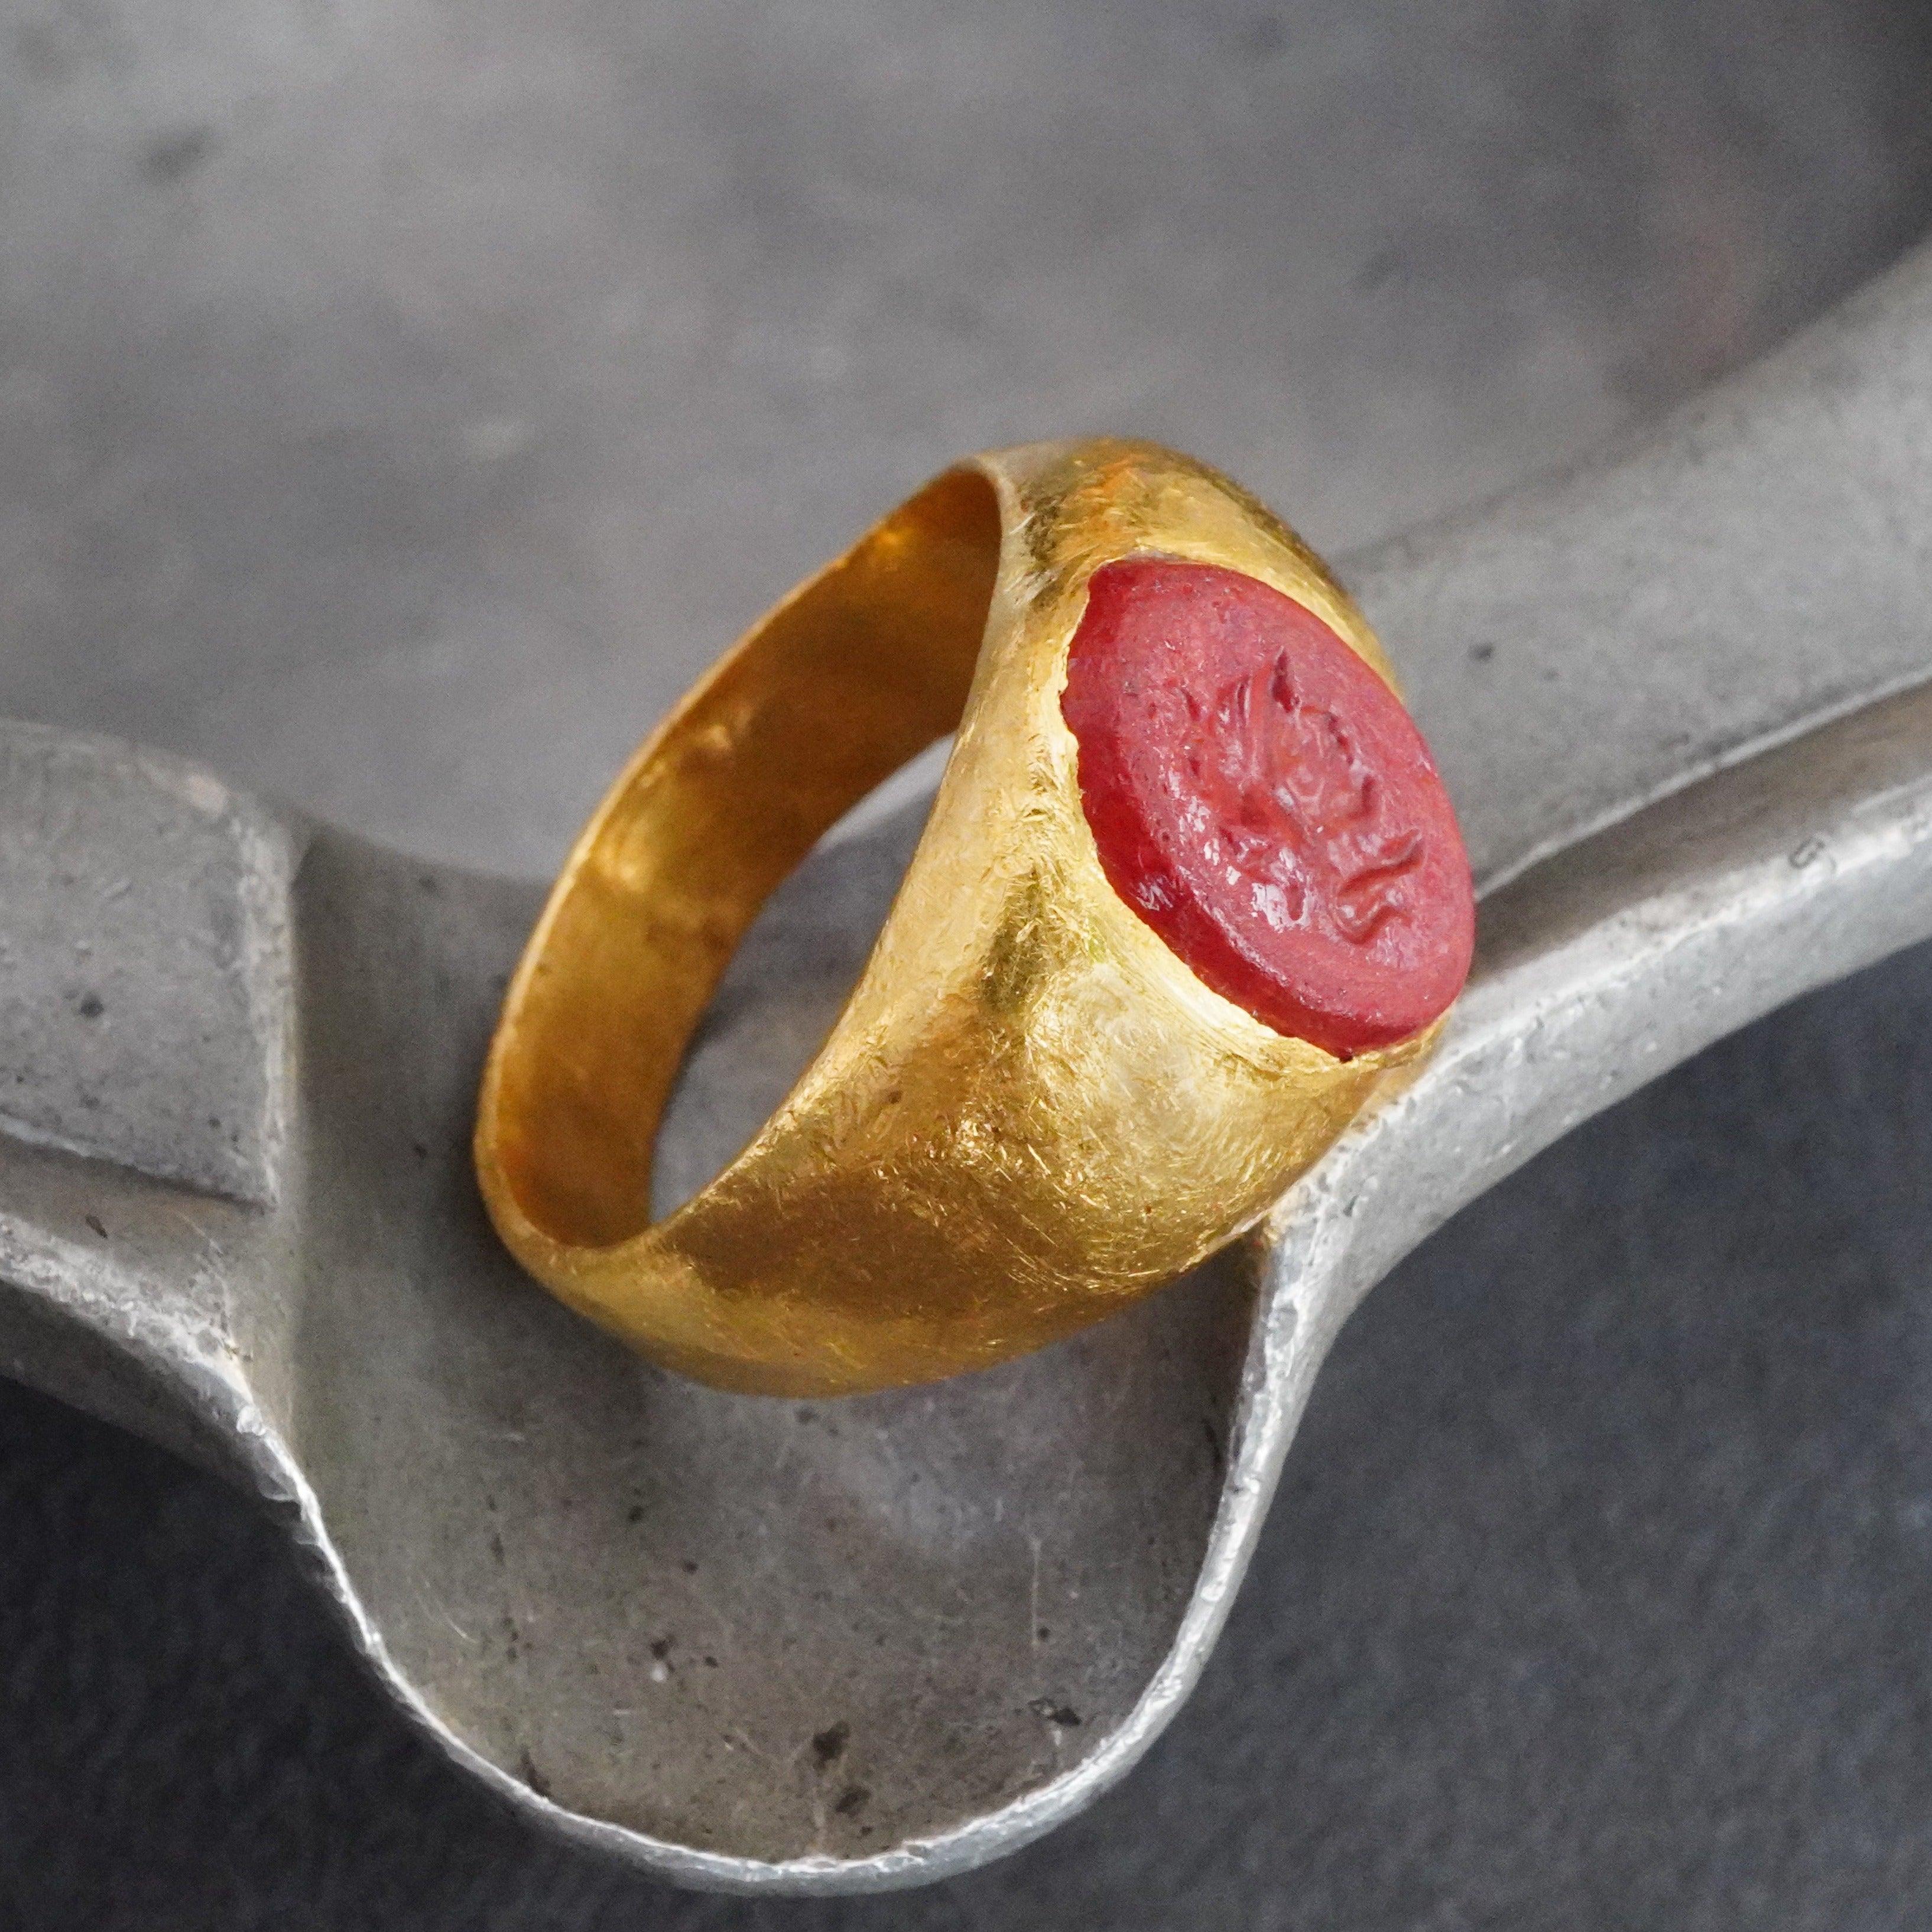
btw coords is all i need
(1260, 798)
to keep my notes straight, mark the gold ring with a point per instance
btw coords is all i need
(1190, 889)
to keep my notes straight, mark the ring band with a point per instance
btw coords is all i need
(1189, 889)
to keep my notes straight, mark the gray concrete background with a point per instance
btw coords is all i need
(397, 404)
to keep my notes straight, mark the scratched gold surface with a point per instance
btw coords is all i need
(1030, 1111)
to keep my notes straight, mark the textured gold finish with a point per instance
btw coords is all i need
(1030, 1111)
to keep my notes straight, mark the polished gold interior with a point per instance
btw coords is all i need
(1030, 1110)
(858, 671)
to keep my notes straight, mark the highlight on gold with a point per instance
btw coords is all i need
(1190, 890)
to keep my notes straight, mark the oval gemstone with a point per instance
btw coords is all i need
(1260, 796)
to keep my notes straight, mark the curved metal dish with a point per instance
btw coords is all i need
(812, 1647)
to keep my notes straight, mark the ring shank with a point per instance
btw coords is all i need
(859, 671)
